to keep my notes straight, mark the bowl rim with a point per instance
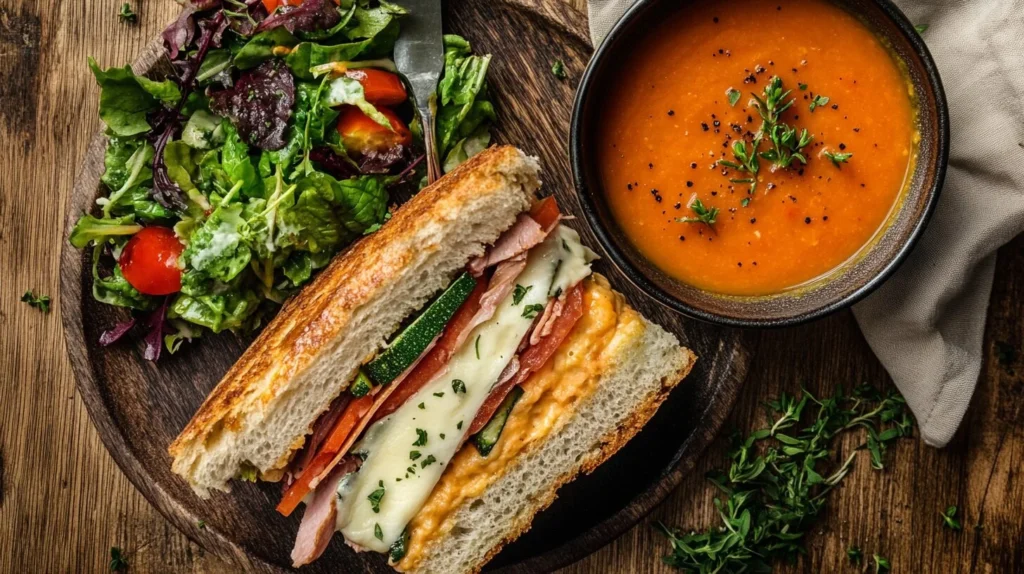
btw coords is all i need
(621, 261)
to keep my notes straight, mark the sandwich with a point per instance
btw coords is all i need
(432, 389)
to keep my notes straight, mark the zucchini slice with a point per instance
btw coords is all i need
(361, 385)
(411, 342)
(489, 435)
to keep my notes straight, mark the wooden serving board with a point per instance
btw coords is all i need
(139, 407)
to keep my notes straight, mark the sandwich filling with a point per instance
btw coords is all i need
(452, 376)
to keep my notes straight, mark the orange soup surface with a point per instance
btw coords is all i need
(686, 97)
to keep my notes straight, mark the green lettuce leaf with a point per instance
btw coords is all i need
(218, 250)
(89, 229)
(345, 90)
(126, 99)
(462, 95)
(261, 47)
(309, 54)
(115, 289)
(233, 310)
(115, 160)
(238, 165)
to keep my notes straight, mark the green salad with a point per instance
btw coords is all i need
(276, 140)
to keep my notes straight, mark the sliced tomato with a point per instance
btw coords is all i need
(361, 134)
(380, 88)
(437, 357)
(355, 411)
(149, 261)
(545, 212)
(271, 5)
(533, 358)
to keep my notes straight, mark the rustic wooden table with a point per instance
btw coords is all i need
(63, 502)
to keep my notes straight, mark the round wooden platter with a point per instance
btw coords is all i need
(139, 407)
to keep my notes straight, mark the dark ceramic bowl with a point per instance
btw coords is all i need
(841, 288)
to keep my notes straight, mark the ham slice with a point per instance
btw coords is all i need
(318, 522)
(525, 234)
(321, 429)
(547, 320)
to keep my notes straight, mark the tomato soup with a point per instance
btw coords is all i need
(667, 137)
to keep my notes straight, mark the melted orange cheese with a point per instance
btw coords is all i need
(549, 399)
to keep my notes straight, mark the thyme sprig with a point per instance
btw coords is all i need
(773, 491)
(705, 215)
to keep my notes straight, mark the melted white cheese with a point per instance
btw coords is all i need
(401, 473)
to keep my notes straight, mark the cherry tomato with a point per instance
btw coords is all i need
(361, 134)
(149, 261)
(380, 88)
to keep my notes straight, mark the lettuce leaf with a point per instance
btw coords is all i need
(115, 289)
(464, 109)
(232, 310)
(89, 229)
(218, 250)
(126, 99)
(345, 90)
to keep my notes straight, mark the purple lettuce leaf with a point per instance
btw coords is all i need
(179, 35)
(114, 334)
(260, 104)
(379, 162)
(310, 16)
(332, 163)
(156, 326)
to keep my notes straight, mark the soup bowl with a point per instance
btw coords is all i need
(847, 283)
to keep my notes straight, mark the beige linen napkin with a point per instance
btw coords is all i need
(926, 324)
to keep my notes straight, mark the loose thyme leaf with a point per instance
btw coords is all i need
(802, 86)
(126, 14)
(705, 215)
(949, 519)
(818, 101)
(41, 302)
(921, 28)
(734, 96)
(881, 564)
(855, 555)
(117, 560)
(558, 69)
(837, 157)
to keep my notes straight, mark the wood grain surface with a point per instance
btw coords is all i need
(63, 502)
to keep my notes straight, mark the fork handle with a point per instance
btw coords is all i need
(430, 142)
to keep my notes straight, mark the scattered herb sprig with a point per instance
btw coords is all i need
(705, 215)
(41, 302)
(558, 70)
(837, 157)
(126, 14)
(949, 519)
(118, 563)
(773, 492)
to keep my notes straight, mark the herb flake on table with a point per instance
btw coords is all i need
(855, 555)
(881, 564)
(779, 476)
(949, 519)
(921, 28)
(558, 69)
(126, 14)
(41, 302)
(118, 563)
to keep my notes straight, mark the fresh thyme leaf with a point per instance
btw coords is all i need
(421, 437)
(458, 386)
(802, 86)
(126, 14)
(117, 560)
(734, 96)
(881, 564)
(776, 484)
(530, 311)
(921, 28)
(519, 293)
(855, 555)
(558, 69)
(837, 157)
(949, 519)
(745, 202)
(42, 302)
(746, 162)
(818, 101)
(705, 215)
(377, 532)
(375, 497)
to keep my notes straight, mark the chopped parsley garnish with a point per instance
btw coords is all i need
(802, 86)
(458, 426)
(421, 437)
(558, 69)
(476, 345)
(414, 454)
(818, 101)
(519, 293)
(428, 461)
(734, 96)
(376, 496)
(377, 532)
(771, 494)
(441, 435)
(837, 157)
(949, 519)
(707, 216)
(117, 560)
(530, 311)
(42, 302)
(458, 386)
(126, 14)
(439, 395)
(422, 405)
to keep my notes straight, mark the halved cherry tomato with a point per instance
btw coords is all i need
(532, 359)
(380, 88)
(355, 411)
(149, 261)
(361, 134)
(271, 5)
(545, 212)
(437, 357)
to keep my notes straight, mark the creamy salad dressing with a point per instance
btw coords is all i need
(407, 451)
